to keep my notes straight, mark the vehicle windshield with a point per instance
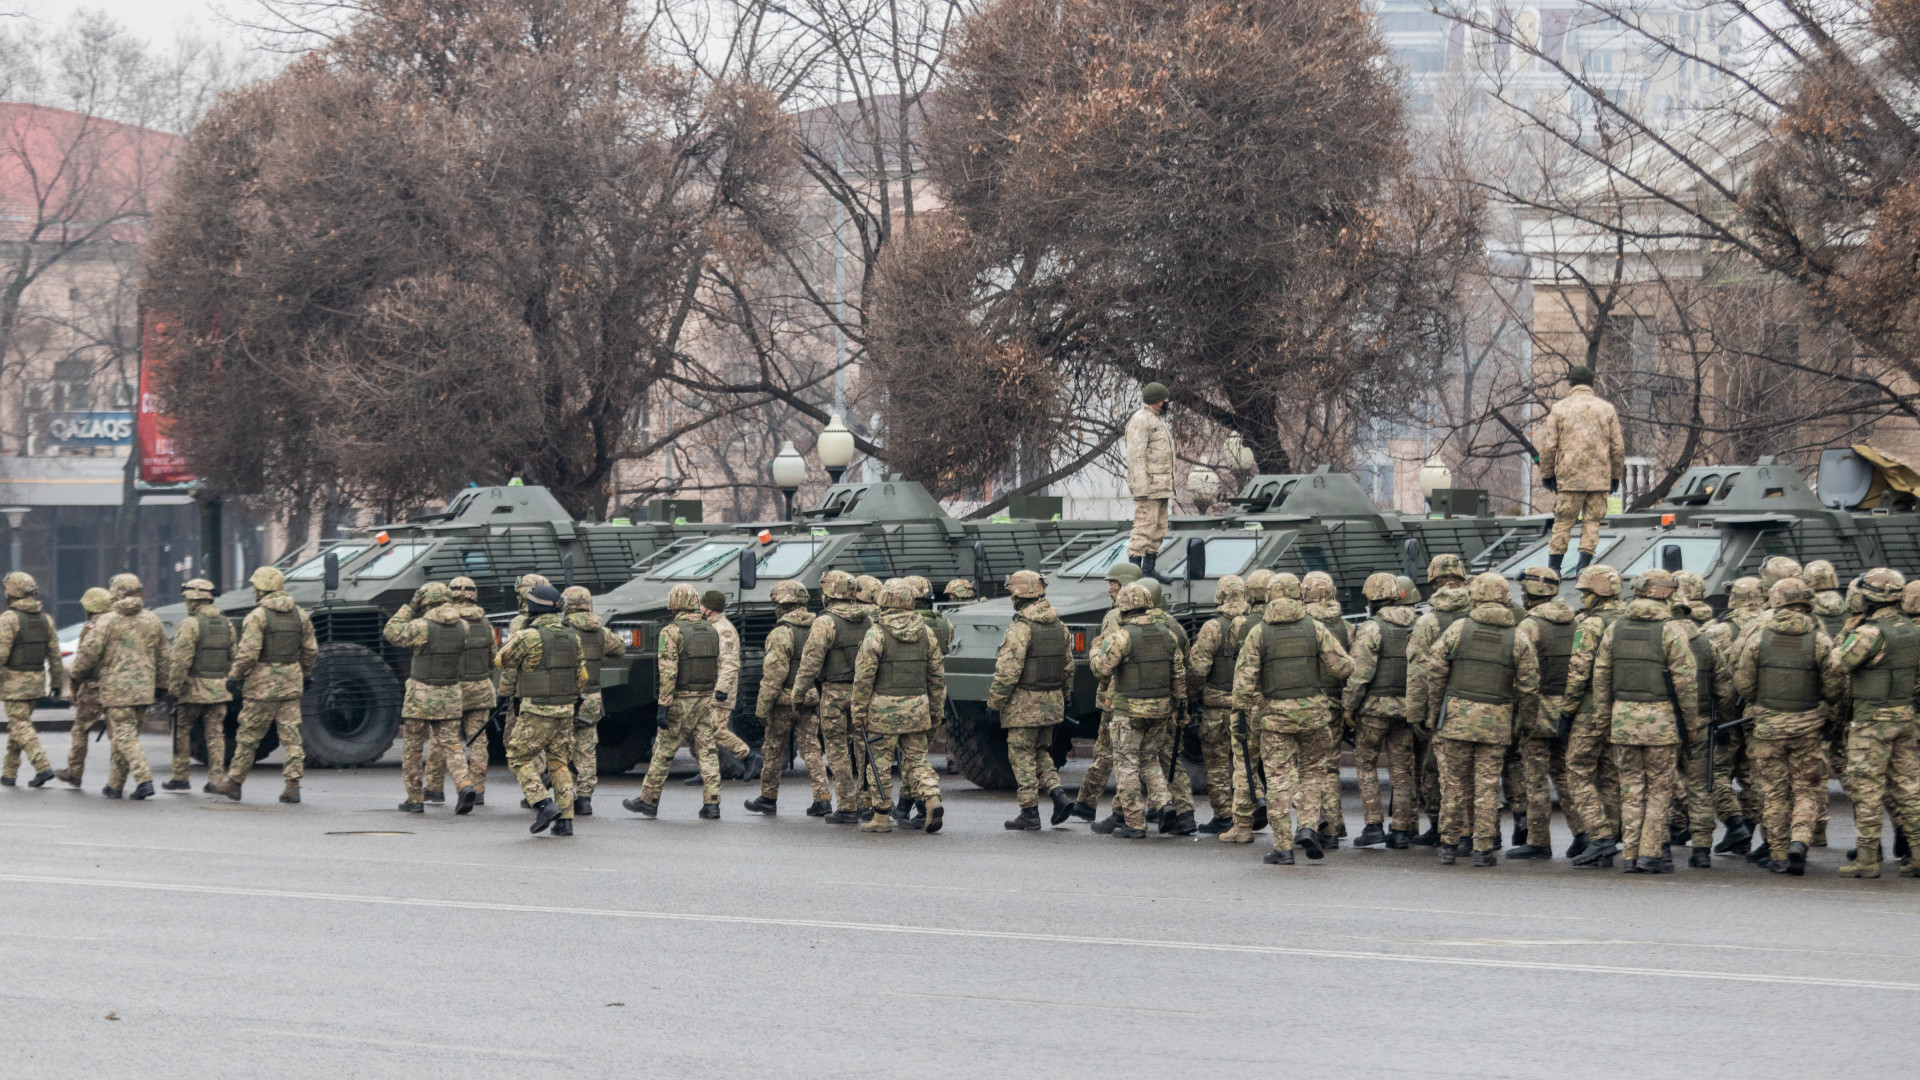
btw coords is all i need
(1225, 555)
(1095, 562)
(1697, 553)
(393, 560)
(701, 562)
(789, 558)
(1537, 555)
(315, 568)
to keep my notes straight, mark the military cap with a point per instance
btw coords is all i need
(1580, 375)
(1153, 393)
(713, 600)
(546, 598)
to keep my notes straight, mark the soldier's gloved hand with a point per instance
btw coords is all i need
(720, 696)
(660, 716)
(1615, 489)
(233, 687)
(1550, 484)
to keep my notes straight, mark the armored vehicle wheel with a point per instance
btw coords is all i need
(978, 745)
(352, 707)
(197, 739)
(625, 742)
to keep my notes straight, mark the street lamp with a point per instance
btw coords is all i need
(16, 516)
(1239, 455)
(1434, 476)
(836, 448)
(1204, 483)
(789, 472)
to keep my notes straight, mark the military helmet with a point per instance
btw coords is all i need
(1856, 600)
(1882, 585)
(1820, 576)
(1230, 589)
(19, 584)
(1026, 584)
(1409, 592)
(713, 600)
(1690, 585)
(433, 594)
(1122, 571)
(576, 598)
(1778, 568)
(1540, 581)
(1317, 586)
(125, 585)
(527, 583)
(682, 597)
(1155, 594)
(1380, 586)
(866, 589)
(1258, 583)
(463, 588)
(95, 600)
(1655, 584)
(268, 579)
(1133, 597)
(1746, 593)
(545, 599)
(197, 589)
(1599, 579)
(1446, 566)
(896, 594)
(1283, 587)
(1789, 591)
(922, 588)
(836, 585)
(1488, 588)
(960, 589)
(788, 592)
(1910, 598)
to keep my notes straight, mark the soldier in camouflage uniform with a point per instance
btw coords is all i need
(1086, 805)
(1746, 605)
(1149, 476)
(866, 592)
(899, 685)
(777, 710)
(1643, 673)
(1249, 771)
(1549, 628)
(1582, 455)
(718, 734)
(476, 702)
(1830, 607)
(87, 710)
(430, 626)
(1322, 599)
(1882, 655)
(31, 647)
(521, 589)
(127, 653)
(1376, 699)
(1031, 674)
(197, 682)
(1790, 673)
(1705, 805)
(689, 666)
(1142, 661)
(1593, 777)
(1488, 672)
(1280, 681)
(824, 679)
(541, 671)
(942, 631)
(276, 653)
(1216, 645)
(597, 643)
(1163, 740)
(1448, 603)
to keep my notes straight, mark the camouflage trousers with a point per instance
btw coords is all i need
(586, 758)
(1095, 781)
(1427, 766)
(543, 743)
(473, 723)
(1589, 507)
(1029, 751)
(803, 726)
(1704, 809)
(1149, 527)
(1647, 779)
(1216, 753)
(87, 711)
(1136, 772)
(1249, 771)
(1536, 759)
(1883, 776)
(1793, 787)
(917, 779)
(723, 734)
(212, 718)
(255, 718)
(836, 733)
(1293, 790)
(712, 735)
(415, 733)
(123, 731)
(1327, 766)
(1593, 780)
(1396, 738)
(1163, 747)
(684, 718)
(1733, 761)
(22, 739)
(1513, 781)
(1469, 790)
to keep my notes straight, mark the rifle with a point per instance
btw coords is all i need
(1713, 730)
(494, 721)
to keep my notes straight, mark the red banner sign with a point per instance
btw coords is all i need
(160, 463)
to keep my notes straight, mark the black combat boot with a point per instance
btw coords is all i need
(1430, 838)
(437, 796)
(1154, 815)
(1701, 859)
(1371, 836)
(1761, 854)
(480, 798)
(818, 808)
(563, 827)
(1900, 848)
(1399, 840)
(545, 813)
(40, 780)
(903, 809)
(582, 804)
(1062, 806)
(465, 803)
(1183, 824)
(1578, 845)
(1598, 849)
(1308, 841)
(1027, 820)
(1738, 839)
(1083, 811)
(1279, 857)
(1106, 825)
(1661, 865)
(1124, 831)
(1447, 853)
(760, 804)
(842, 817)
(1586, 560)
(638, 804)
(1530, 851)
(1632, 866)
(112, 792)
(1259, 814)
(411, 807)
(1797, 858)
(1519, 830)
(171, 785)
(1489, 857)
(710, 811)
(751, 768)
(144, 791)
(1679, 834)
(9, 781)
(917, 817)
(1149, 568)
(1555, 561)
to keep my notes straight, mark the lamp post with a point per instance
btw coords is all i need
(1205, 485)
(16, 516)
(789, 471)
(1434, 476)
(836, 448)
(1239, 455)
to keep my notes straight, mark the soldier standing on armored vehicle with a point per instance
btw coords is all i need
(824, 679)
(1448, 603)
(778, 711)
(1149, 477)
(30, 645)
(1646, 686)
(1549, 627)
(1142, 659)
(1216, 645)
(276, 653)
(476, 699)
(1086, 805)
(1376, 699)
(1790, 674)
(899, 685)
(1593, 778)
(128, 654)
(689, 668)
(1031, 674)
(87, 710)
(541, 671)
(431, 710)
(1322, 600)
(1882, 655)
(1583, 456)
(597, 643)
(197, 682)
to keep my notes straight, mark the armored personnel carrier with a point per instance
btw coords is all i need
(493, 535)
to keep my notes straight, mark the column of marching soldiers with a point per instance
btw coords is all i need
(1654, 720)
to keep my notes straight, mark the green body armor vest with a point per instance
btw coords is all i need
(1331, 684)
(1220, 675)
(1833, 624)
(1390, 663)
(213, 651)
(280, 637)
(1482, 669)
(940, 628)
(436, 662)
(903, 667)
(1639, 663)
(593, 652)
(847, 636)
(30, 643)
(476, 658)
(1789, 676)
(1045, 668)
(1553, 644)
(795, 636)
(1290, 660)
(1148, 673)
(699, 657)
(1890, 679)
(556, 680)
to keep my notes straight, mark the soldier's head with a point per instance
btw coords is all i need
(1790, 594)
(527, 583)
(266, 581)
(123, 586)
(1154, 396)
(681, 597)
(1539, 584)
(464, 590)
(1856, 601)
(1283, 587)
(576, 598)
(20, 585)
(1689, 585)
(866, 589)
(1317, 587)
(1599, 582)
(1257, 584)
(896, 595)
(1655, 584)
(1409, 592)
(1746, 593)
(545, 599)
(1778, 568)
(836, 585)
(713, 602)
(432, 595)
(1230, 589)
(960, 589)
(199, 590)
(95, 600)
(1488, 589)
(788, 594)
(1120, 573)
(1155, 594)
(1910, 598)
(1026, 585)
(1580, 375)
(1380, 589)
(1133, 599)
(1446, 570)
(1881, 586)
(922, 591)
(1820, 576)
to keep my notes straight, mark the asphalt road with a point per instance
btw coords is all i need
(193, 937)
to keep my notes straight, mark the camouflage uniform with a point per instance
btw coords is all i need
(1144, 663)
(775, 704)
(1162, 742)
(1317, 590)
(1549, 628)
(197, 681)
(1644, 670)
(716, 733)
(1593, 776)
(1376, 698)
(432, 708)
(476, 696)
(127, 654)
(1489, 673)
(1280, 682)
(578, 614)
(87, 710)
(688, 642)
(1149, 479)
(1216, 645)
(1031, 697)
(1249, 769)
(1447, 574)
(824, 679)
(899, 686)
(542, 736)
(1095, 780)
(1805, 676)
(30, 648)
(1732, 759)
(1882, 654)
(1705, 803)
(1583, 451)
(272, 677)
(1830, 608)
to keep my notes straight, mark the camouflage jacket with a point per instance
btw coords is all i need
(1830, 607)
(1288, 714)
(1365, 652)
(1649, 723)
(523, 652)
(777, 662)
(127, 654)
(1476, 721)
(813, 653)
(1722, 688)
(74, 680)
(671, 641)
(1586, 646)
(1422, 703)
(728, 683)
(425, 702)
(897, 714)
(1103, 687)
(180, 681)
(1542, 720)
(272, 682)
(1581, 444)
(476, 693)
(1027, 708)
(1113, 650)
(1862, 646)
(1149, 455)
(1777, 723)
(1215, 643)
(585, 623)
(30, 685)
